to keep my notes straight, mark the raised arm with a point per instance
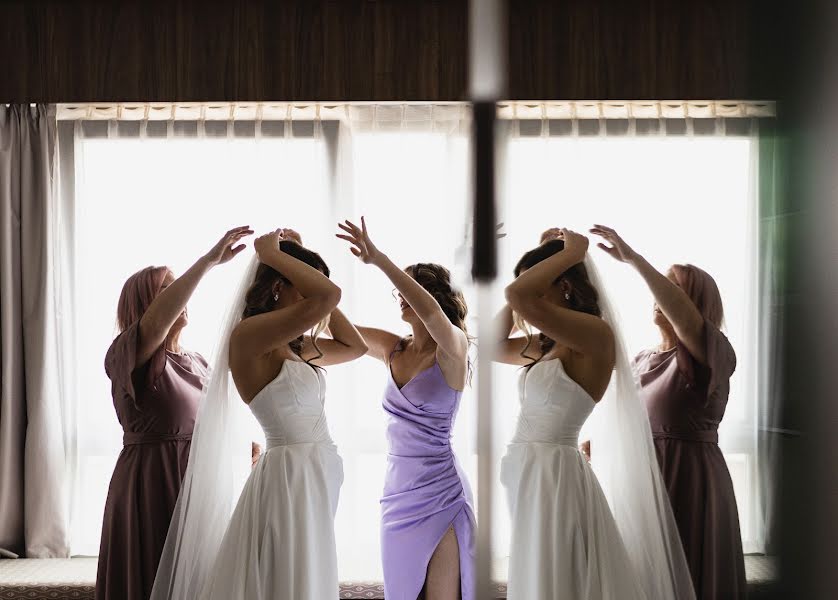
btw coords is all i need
(509, 348)
(380, 343)
(346, 343)
(260, 334)
(171, 301)
(449, 338)
(673, 302)
(581, 332)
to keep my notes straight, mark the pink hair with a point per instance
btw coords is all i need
(702, 290)
(137, 293)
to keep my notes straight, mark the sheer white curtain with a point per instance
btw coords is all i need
(679, 189)
(155, 184)
(158, 184)
(147, 191)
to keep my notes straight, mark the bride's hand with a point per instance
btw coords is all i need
(267, 243)
(225, 249)
(554, 233)
(290, 234)
(362, 245)
(255, 453)
(575, 244)
(585, 449)
(618, 249)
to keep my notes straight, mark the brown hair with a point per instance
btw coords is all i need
(583, 295)
(436, 280)
(137, 294)
(260, 297)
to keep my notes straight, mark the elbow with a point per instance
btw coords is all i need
(333, 297)
(513, 296)
(361, 349)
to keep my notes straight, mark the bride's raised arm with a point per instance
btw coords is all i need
(260, 334)
(579, 331)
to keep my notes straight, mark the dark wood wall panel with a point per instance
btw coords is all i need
(185, 50)
(642, 49)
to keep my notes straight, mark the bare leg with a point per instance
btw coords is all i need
(443, 579)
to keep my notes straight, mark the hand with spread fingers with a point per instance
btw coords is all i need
(225, 249)
(362, 245)
(618, 249)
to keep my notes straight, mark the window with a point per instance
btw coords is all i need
(165, 202)
(675, 200)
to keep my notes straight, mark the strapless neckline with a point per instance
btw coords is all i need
(566, 376)
(278, 376)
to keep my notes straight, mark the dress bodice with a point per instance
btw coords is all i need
(290, 408)
(421, 413)
(553, 406)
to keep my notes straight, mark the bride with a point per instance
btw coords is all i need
(575, 534)
(279, 542)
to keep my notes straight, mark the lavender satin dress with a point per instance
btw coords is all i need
(425, 491)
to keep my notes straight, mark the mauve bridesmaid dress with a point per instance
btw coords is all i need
(686, 402)
(156, 406)
(425, 491)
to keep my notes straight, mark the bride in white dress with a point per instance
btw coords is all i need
(578, 535)
(279, 542)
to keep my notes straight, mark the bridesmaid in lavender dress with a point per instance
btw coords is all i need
(685, 384)
(427, 516)
(156, 386)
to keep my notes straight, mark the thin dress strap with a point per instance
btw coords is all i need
(395, 349)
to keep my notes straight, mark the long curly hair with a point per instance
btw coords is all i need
(436, 280)
(260, 297)
(583, 295)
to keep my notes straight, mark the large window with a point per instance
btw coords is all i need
(675, 200)
(164, 201)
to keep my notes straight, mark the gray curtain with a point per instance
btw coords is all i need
(33, 504)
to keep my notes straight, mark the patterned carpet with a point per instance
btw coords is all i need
(73, 579)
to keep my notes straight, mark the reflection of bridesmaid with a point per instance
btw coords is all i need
(685, 384)
(156, 386)
(427, 529)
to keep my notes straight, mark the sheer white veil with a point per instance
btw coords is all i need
(219, 462)
(623, 457)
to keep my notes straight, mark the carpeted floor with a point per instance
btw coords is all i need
(73, 579)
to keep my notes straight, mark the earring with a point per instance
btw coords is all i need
(567, 296)
(276, 296)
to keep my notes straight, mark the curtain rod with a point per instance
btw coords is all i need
(517, 109)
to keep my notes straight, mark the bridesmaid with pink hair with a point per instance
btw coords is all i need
(156, 386)
(685, 383)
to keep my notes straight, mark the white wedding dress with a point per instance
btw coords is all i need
(565, 542)
(280, 543)
(582, 533)
(270, 537)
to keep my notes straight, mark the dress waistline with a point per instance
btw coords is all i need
(705, 435)
(132, 438)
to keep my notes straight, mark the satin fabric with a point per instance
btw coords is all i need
(425, 490)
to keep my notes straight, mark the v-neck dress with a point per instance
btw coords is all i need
(425, 490)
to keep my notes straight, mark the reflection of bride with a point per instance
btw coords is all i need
(279, 542)
(576, 534)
